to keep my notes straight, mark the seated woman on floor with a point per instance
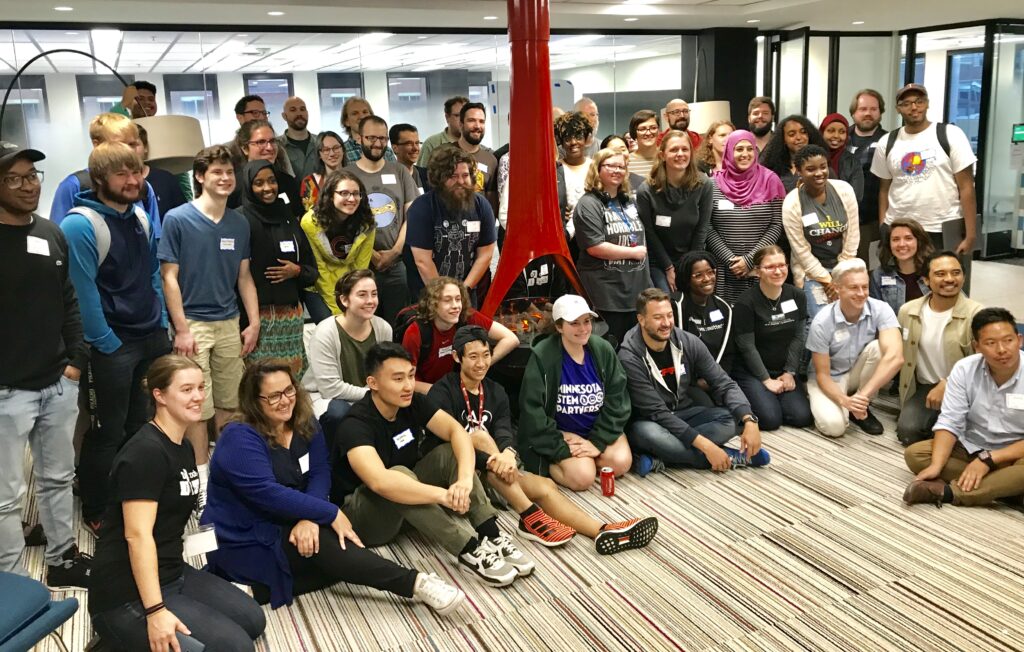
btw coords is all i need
(267, 500)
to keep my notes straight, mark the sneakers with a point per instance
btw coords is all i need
(925, 491)
(644, 464)
(437, 594)
(545, 530)
(626, 535)
(510, 554)
(73, 569)
(488, 565)
(869, 424)
(739, 460)
(34, 535)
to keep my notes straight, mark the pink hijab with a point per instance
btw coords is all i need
(755, 185)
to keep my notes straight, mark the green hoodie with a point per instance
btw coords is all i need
(540, 441)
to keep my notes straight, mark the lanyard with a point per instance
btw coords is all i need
(479, 418)
(617, 209)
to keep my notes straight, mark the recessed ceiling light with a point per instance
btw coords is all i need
(71, 33)
(275, 13)
(630, 20)
(490, 18)
(858, 22)
(63, 8)
(754, 20)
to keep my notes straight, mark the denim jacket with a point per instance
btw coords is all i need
(892, 290)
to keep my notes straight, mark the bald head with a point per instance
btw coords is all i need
(295, 114)
(588, 108)
(678, 113)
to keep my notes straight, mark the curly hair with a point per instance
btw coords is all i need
(684, 268)
(430, 298)
(806, 153)
(593, 180)
(443, 162)
(776, 156)
(705, 153)
(657, 178)
(329, 218)
(250, 411)
(572, 125)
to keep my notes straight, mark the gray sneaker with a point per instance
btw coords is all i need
(488, 565)
(437, 594)
(512, 555)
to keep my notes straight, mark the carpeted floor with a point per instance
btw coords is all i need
(815, 552)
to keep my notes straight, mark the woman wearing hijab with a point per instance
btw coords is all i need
(282, 265)
(842, 164)
(746, 215)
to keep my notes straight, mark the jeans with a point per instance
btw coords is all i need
(45, 420)
(658, 279)
(329, 420)
(392, 291)
(773, 410)
(813, 306)
(717, 424)
(315, 306)
(122, 407)
(916, 419)
(219, 615)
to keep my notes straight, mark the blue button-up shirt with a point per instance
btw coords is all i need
(844, 341)
(981, 414)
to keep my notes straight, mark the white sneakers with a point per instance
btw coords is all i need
(511, 555)
(437, 594)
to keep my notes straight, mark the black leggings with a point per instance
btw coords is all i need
(331, 565)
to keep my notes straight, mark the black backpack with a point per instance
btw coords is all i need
(940, 133)
(409, 315)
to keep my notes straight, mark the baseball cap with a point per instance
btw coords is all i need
(571, 307)
(466, 334)
(9, 152)
(911, 88)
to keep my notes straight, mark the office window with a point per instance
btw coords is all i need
(194, 95)
(963, 92)
(274, 89)
(26, 108)
(335, 88)
(99, 93)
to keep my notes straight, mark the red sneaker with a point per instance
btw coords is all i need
(545, 530)
(626, 535)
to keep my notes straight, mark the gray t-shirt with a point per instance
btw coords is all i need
(389, 190)
(208, 255)
(613, 285)
(825, 225)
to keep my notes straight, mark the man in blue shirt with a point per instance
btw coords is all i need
(977, 455)
(113, 265)
(855, 349)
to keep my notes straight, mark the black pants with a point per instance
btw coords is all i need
(392, 291)
(122, 407)
(619, 323)
(353, 565)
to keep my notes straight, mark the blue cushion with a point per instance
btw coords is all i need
(26, 614)
(55, 615)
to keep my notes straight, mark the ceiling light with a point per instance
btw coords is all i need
(754, 20)
(275, 13)
(71, 33)
(106, 43)
(858, 22)
(63, 8)
(630, 20)
(490, 18)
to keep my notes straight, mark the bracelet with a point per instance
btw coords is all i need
(159, 606)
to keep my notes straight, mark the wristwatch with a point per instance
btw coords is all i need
(749, 417)
(986, 457)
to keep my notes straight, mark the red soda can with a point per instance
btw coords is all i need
(607, 481)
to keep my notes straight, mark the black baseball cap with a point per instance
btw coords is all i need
(9, 153)
(466, 334)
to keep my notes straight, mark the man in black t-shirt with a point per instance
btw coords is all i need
(381, 479)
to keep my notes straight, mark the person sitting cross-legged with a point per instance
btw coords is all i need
(381, 480)
(661, 362)
(977, 455)
(481, 406)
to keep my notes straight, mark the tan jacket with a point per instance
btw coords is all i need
(956, 338)
(802, 261)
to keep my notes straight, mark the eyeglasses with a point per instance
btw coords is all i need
(651, 129)
(906, 104)
(256, 113)
(614, 168)
(33, 178)
(275, 398)
(331, 150)
(376, 139)
(262, 143)
(678, 112)
(781, 267)
(406, 143)
(348, 194)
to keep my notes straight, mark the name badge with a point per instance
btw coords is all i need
(788, 306)
(482, 167)
(227, 244)
(852, 149)
(420, 191)
(284, 197)
(663, 220)
(304, 463)
(726, 205)
(444, 350)
(200, 542)
(810, 219)
(906, 333)
(544, 269)
(388, 179)
(1015, 401)
(888, 280)
(403, 439)
(38, 246)
(473, 226)
(842, 336)
(715, 315)
(288, 246)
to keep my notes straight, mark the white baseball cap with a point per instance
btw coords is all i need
(571, 307)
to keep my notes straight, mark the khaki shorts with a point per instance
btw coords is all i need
(219, 344)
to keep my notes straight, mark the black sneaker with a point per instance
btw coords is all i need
(73, 570)
(34, 535)
(869, 424)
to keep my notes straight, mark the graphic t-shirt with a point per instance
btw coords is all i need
(825, 225)
(612, 284)
(580, 395)
(494, 416)
(774, 324)
(439, 360)
(453, 238)
(667, 367)
(388, 191)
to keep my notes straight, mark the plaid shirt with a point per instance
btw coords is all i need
(354, 152)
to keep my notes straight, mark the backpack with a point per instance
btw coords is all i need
(940, 133)
(408, 316)
(102, 231)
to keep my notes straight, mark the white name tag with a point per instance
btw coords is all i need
(473, 226)
(927, 153)
(200, 542)
(663, 220)
(483, 168)
(544, 269)
(788, 306)
(852, 149)
(388, 178)
(403, 438)
(888, 280)
(810, 219)
(420, 190)
(715, 315)
(227, 244)
(842, 335)
(906, 333)
(288, 246)
(38, 246)
(1015, 401)
(726, 205)
(444, 350)
(283, 197)
(304, 463)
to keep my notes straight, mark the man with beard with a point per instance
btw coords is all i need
(390, 190)
(113, 265)
(452, 229)
(926, 172)
(866, 110)
(296, 141)
(760, 117)
(936, 334)
(588, 108)
(677, 114)
(473, 122)
(451, 132)
(42, 355)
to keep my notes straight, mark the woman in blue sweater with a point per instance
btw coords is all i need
(267, 500)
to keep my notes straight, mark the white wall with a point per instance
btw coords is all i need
(935, 82)
(655, 73)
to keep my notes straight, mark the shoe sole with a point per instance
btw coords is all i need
(444, 611)
(497, 582)
(635, 536)
(520, 572)
(547, 544)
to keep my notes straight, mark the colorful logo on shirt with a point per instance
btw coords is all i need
(913, 164)
(384, 209)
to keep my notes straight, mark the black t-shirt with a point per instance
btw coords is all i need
(663, 360)
(709, 323)
(149, 467)
(913, 287)
(286, 465)
(497, 416)
(396, 442)
(774, 323)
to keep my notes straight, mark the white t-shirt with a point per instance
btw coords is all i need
(574, 180)
(923, 187)
(932, 365)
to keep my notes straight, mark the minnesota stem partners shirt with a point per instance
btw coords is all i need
(580, 395)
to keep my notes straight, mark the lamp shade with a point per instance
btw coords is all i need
(702, 114)
(174, 141)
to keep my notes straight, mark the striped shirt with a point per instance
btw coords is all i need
(740, 231)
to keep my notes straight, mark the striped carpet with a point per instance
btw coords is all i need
(815, 552)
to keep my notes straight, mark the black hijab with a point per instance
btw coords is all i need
(252, 205)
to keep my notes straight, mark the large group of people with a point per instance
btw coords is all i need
(729, 290)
